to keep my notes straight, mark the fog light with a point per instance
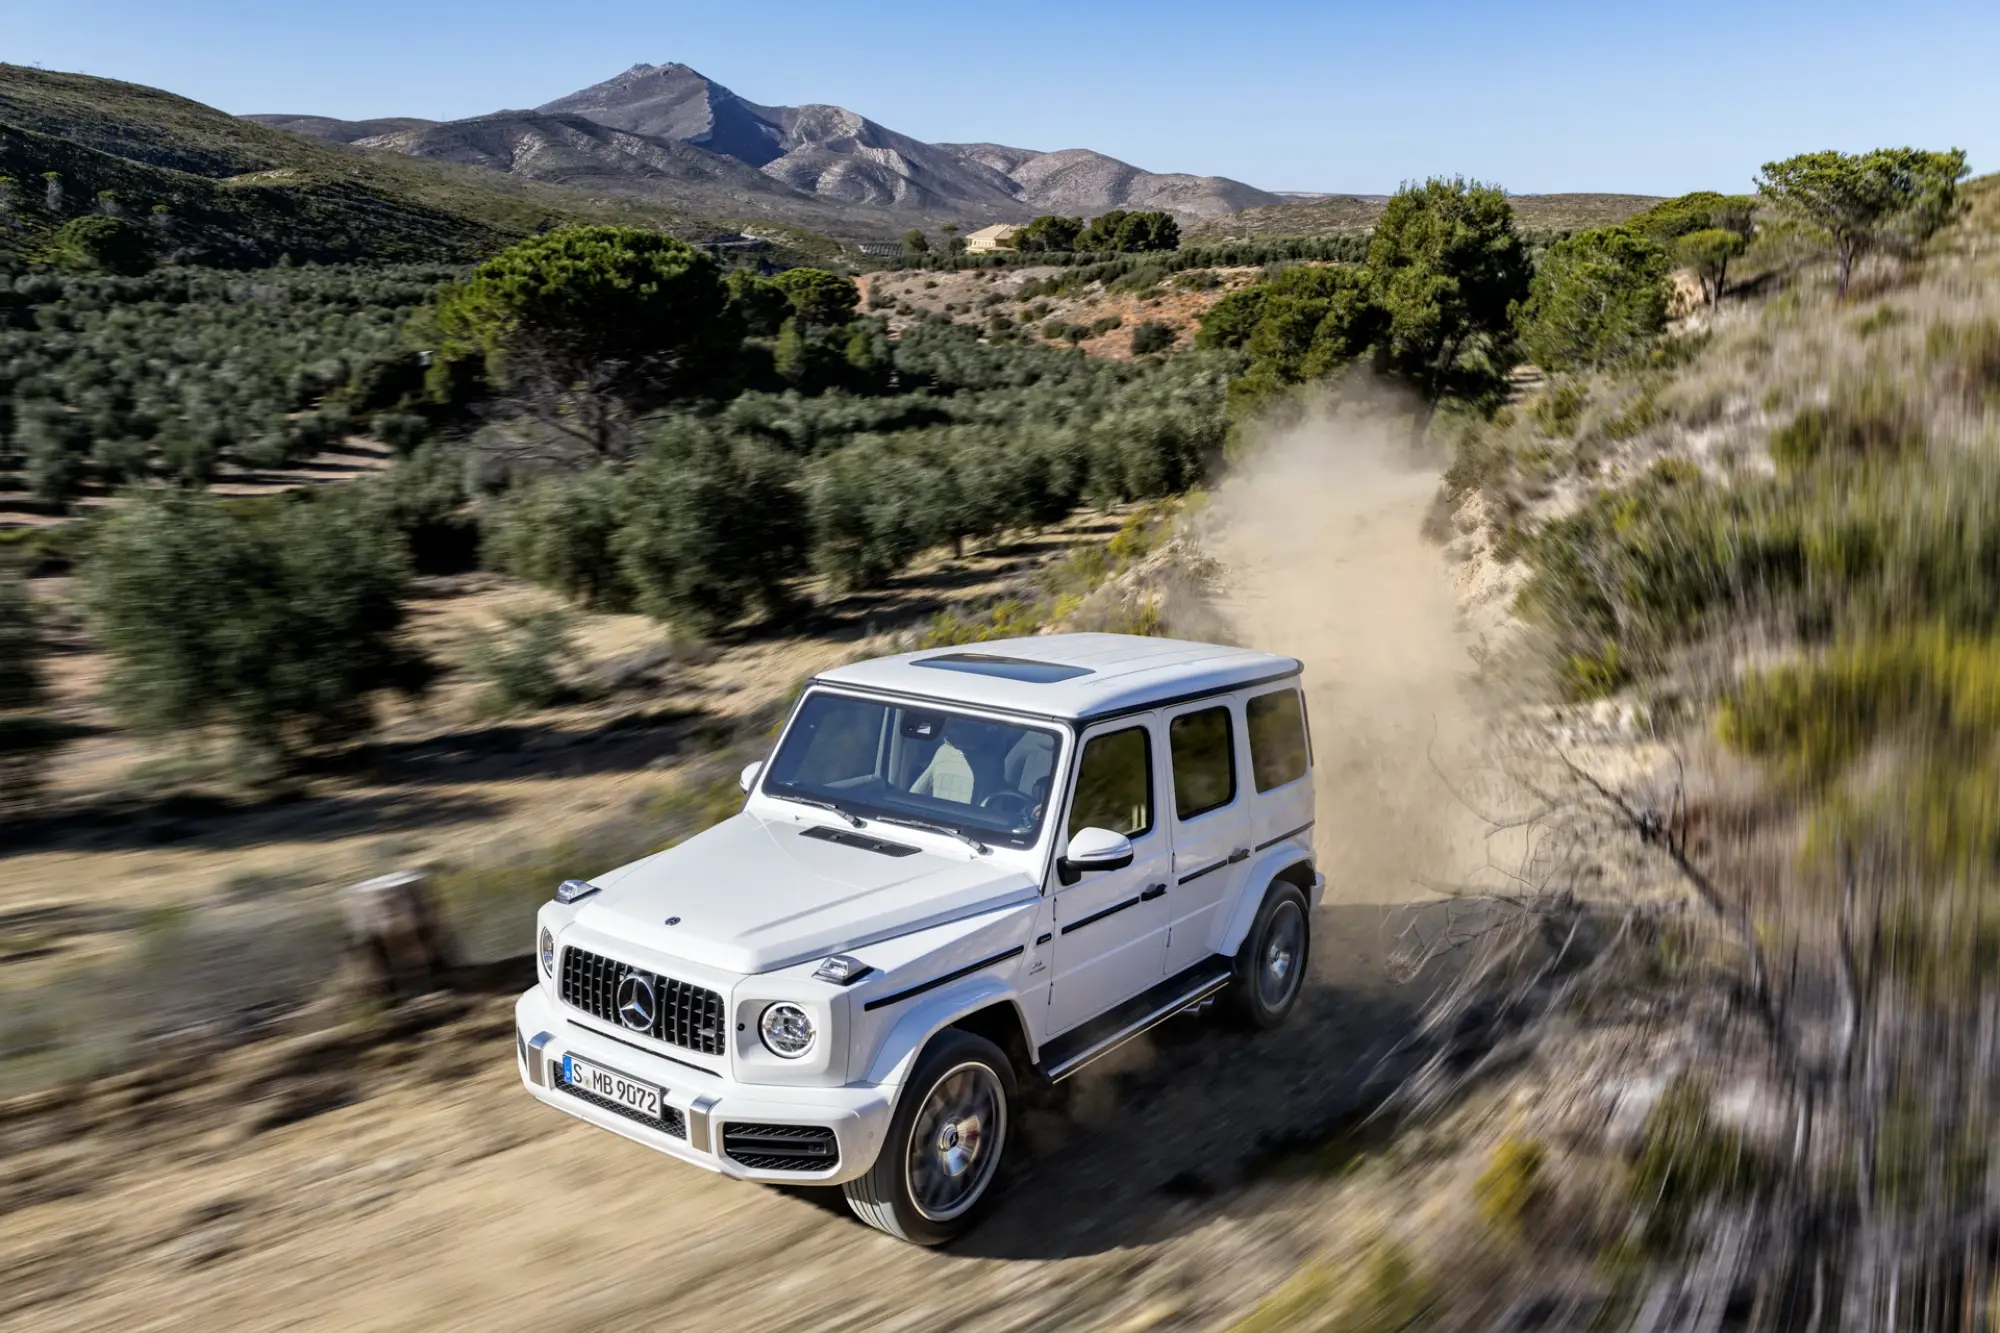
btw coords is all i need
(548, 952)
(787, 1030)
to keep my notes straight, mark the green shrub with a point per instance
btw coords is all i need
(523, 661)
(1588, 676)
(1507, 1189)
(98, 244)
(1640, 414)
(1685, 1159)
(1559, 407)
(1008, 619)
(1151, 337)
(1384, 1291)
(1869, 421)
(1969, 355)
(1932, 697)
(401, 431)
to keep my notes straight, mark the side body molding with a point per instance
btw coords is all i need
(1263, 870)
(927, 1015)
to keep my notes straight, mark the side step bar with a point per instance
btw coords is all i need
(1193, 990)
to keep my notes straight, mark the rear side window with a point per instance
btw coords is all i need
(1277, 738)
(1204, 754)
(1114, 784)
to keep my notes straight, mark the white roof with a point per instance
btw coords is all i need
(998, 231)
(1115, 673)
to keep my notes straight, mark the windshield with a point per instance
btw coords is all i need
(885, 760)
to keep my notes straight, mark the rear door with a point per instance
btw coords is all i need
(1211, 824)
(1110, 926)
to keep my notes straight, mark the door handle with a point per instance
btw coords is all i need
(1152, 891)
(1240, 854)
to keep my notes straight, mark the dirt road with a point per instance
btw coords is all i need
(1172, 1191)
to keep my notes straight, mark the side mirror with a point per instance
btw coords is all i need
(748, 777)
(1094, 849)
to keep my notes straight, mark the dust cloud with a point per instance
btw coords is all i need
(1320, 539)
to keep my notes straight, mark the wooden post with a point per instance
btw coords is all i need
(392, 928)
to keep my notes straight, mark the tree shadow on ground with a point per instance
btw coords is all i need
(508, 751)
(217, 823)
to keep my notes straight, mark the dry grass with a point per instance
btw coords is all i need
(974, 296)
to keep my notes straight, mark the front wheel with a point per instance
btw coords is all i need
(1271, 965)
(938, 1162)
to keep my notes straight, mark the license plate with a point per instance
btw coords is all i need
(613, 1086)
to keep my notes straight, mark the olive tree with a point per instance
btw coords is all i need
(709, 529)
(282, 624)
(558, 532)
(26, 737)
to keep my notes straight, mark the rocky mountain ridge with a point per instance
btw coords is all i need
(669, 132)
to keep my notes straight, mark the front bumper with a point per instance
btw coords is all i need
(858, 1115)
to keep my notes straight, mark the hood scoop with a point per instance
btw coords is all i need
(861, 841)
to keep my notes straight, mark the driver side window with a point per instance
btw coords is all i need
(1114, 784)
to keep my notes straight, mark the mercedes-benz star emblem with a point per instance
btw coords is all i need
(673, 921)
(635, 1002)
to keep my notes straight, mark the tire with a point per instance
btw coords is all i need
(1271, 965)
(917, 1190)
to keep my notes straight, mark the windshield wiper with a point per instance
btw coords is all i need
(946, 829)
(853, 820)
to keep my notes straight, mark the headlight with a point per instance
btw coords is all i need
(788, 1030)
(548, 943)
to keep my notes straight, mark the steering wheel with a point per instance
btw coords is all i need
(1008, 804)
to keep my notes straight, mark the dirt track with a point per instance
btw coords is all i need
(1167, 1193)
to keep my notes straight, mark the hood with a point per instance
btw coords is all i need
(753, 894)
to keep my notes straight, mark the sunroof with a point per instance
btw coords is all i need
(1006, 668)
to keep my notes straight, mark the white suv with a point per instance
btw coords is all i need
(960, 869)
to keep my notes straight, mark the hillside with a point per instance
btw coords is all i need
(583, 154)
(238, 192)
(1333, 214)
(862, 174)
(343, 131)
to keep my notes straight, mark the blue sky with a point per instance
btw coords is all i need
(1288, 96)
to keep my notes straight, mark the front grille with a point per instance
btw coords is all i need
(781, 1147)
(683, 1014)
(671, 1120)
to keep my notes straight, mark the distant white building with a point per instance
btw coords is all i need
(999, 236)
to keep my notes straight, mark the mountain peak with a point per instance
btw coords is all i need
(814, 155)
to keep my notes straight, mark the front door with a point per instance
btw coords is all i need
(1111, 925)
(1211, 826)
